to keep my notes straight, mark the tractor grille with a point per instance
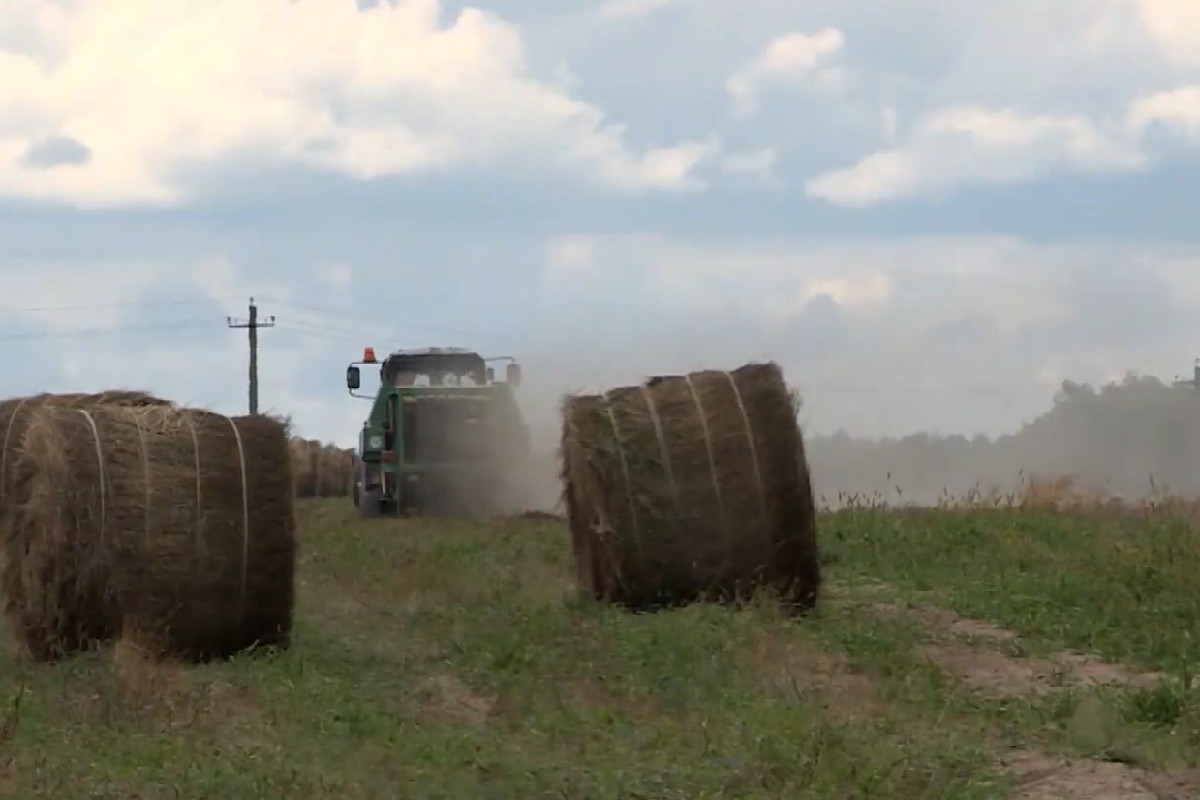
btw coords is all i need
(445, 430)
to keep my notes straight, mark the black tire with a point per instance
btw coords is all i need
(370, 504)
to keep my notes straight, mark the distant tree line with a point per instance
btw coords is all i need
(1123, 438)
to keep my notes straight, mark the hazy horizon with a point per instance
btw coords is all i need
(929, 216)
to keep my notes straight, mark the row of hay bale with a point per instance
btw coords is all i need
(126, 516)
(689, 487)
(322, 470)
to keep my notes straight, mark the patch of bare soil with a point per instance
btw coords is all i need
(135, 689)
(996, 673)
(787, 668)
(1045, 777)
(939, 619)
(449, 696)
(960, 648)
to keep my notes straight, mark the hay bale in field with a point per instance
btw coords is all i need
(688, 487)
(321, 470)
(14, 414)
(303, 475)
(173, 528)
(334, 470)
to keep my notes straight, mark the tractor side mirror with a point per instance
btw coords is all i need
(491, 374)
(513, 374)
(353, 379)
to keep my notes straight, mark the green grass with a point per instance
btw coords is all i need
(1124, 586)
(453, 660)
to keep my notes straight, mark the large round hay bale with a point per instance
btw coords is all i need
(321, 470)
(14, 414)
(328, 457)
(303, 473)
(337, 471)
(172, 528)
(690, 487)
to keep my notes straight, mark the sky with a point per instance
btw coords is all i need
(928, 213)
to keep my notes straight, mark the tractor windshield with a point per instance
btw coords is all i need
(435, 369)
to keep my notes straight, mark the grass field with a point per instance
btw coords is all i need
(957, 654)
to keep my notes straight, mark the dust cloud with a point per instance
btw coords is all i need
(1129, 439)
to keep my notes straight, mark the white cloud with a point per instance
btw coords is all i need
(337, 276)
(860, 292)
(220, 279)
(661, 168)
(767, 280)
(76, 295)
(570, 255)
(787, 59)
(1175, 24)
(911, 282)
(974, 144)
(150, 90)
(628, 9)
(1177, 110)
(890, 122)
(959, 333)
(758, 164)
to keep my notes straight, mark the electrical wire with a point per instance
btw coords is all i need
(391, 325)
(115, 330)
(118, 304)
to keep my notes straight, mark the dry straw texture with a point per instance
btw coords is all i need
(14, 417)
(321, 470)
(172, 528)
(15, 413)
(691, 486)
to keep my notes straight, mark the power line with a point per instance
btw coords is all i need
(392, 325)
(325, 331)
(121, 304)
(252, 325)
(66, 334)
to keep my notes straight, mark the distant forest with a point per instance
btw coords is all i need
(1123, 438)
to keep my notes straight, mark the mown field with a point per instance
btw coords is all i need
(957, 654)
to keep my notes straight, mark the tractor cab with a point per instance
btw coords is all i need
(432, 367)
(442, 433)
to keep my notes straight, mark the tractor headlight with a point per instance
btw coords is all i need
(375, 442)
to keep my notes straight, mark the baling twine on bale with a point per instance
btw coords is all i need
(666, 458)
(651, 550)
(4, 453)
(146, 474)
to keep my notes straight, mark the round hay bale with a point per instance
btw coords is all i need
(351, 470)
(15, 411)
(339, 470)
(328, 458)
(171, 528)
(690, 487)
(302, 467)
(14, 416)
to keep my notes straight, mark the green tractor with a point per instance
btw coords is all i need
(443, 436)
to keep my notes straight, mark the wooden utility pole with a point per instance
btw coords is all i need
(252, 325)
(1195, 381)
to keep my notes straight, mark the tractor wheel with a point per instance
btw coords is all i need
(370, 504)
